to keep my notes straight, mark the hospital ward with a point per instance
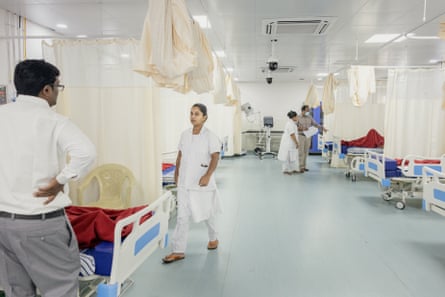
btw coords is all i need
(222, 148)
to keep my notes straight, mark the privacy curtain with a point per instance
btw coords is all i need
(312, 97)
(361, 84)
(175, 112)
(349, 121)
(116, 107)
(414, 119)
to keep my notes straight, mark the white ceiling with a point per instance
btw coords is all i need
(236, 29)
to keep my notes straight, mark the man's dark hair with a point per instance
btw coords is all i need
(31, 76)
(304, 107)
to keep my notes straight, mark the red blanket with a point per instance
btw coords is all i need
(372, 140)
(93, 224)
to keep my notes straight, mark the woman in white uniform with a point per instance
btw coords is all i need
(198, 198)
(288, 152)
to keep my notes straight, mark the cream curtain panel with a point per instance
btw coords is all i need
(175, 115)
(349, 121)
(116, 107)
(328, 97)
(414, 119)
(312, 98)
(167, 50)
(361, 83)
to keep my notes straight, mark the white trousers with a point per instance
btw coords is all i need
(291, 163)
(180, 234)
(289, 166)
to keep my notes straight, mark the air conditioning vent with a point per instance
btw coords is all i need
(307, 26)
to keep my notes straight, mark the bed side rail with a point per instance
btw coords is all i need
(143, 240)
(433, 190)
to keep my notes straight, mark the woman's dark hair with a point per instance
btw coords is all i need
(201, 107)
(291, 114)
(31, 76)
(304, 107)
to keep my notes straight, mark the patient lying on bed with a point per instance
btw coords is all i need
(371, 140)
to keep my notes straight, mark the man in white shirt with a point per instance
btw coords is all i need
(38, 248)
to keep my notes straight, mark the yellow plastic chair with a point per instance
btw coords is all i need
(115, 183)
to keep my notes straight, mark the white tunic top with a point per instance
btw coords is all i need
(196, 153)
(34, 147)
(288, 150)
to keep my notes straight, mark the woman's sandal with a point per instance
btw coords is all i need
(173, 257)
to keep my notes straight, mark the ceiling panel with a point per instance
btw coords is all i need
(236, 29)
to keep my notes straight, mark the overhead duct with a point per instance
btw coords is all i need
(307, 26)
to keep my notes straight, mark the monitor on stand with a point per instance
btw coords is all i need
(268, 124)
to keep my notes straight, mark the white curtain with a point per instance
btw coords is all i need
(348, 121)
(175, 117)
(414, 119)
(116, 107)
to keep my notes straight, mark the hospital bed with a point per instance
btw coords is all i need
(126, 254)
(433, 190)
(400, 179)
(325, 147)
(354, 158)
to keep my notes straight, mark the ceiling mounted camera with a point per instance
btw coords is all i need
(268, 77)
(272, 63)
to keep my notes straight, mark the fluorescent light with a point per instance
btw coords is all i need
(336, 73)
(203, 21)
(229, 69)
(61, 26)
(413, 36)
(381, 38)
(401, 38)
(81, 36)
(433, 61)
(125, 56)
(236, 79)
(322, 74)
(220, 54)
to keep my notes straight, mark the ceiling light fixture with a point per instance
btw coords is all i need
(61, 26)
(414, 36)
(203, 21)
(81, 36)
(381, 38)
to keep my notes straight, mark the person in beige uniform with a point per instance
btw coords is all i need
(304, 122)
(38, 248)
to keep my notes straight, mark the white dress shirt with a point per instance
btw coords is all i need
(35, 143)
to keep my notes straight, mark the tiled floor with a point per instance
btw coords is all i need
(315, 234)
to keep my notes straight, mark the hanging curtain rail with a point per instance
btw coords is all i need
(66, 37)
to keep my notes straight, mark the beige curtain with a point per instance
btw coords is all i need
(349, 121)
(361, 84)
(312, 97)
(328, 97)
(113, 105)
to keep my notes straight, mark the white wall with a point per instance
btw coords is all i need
(275, 100)
(13, 50)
